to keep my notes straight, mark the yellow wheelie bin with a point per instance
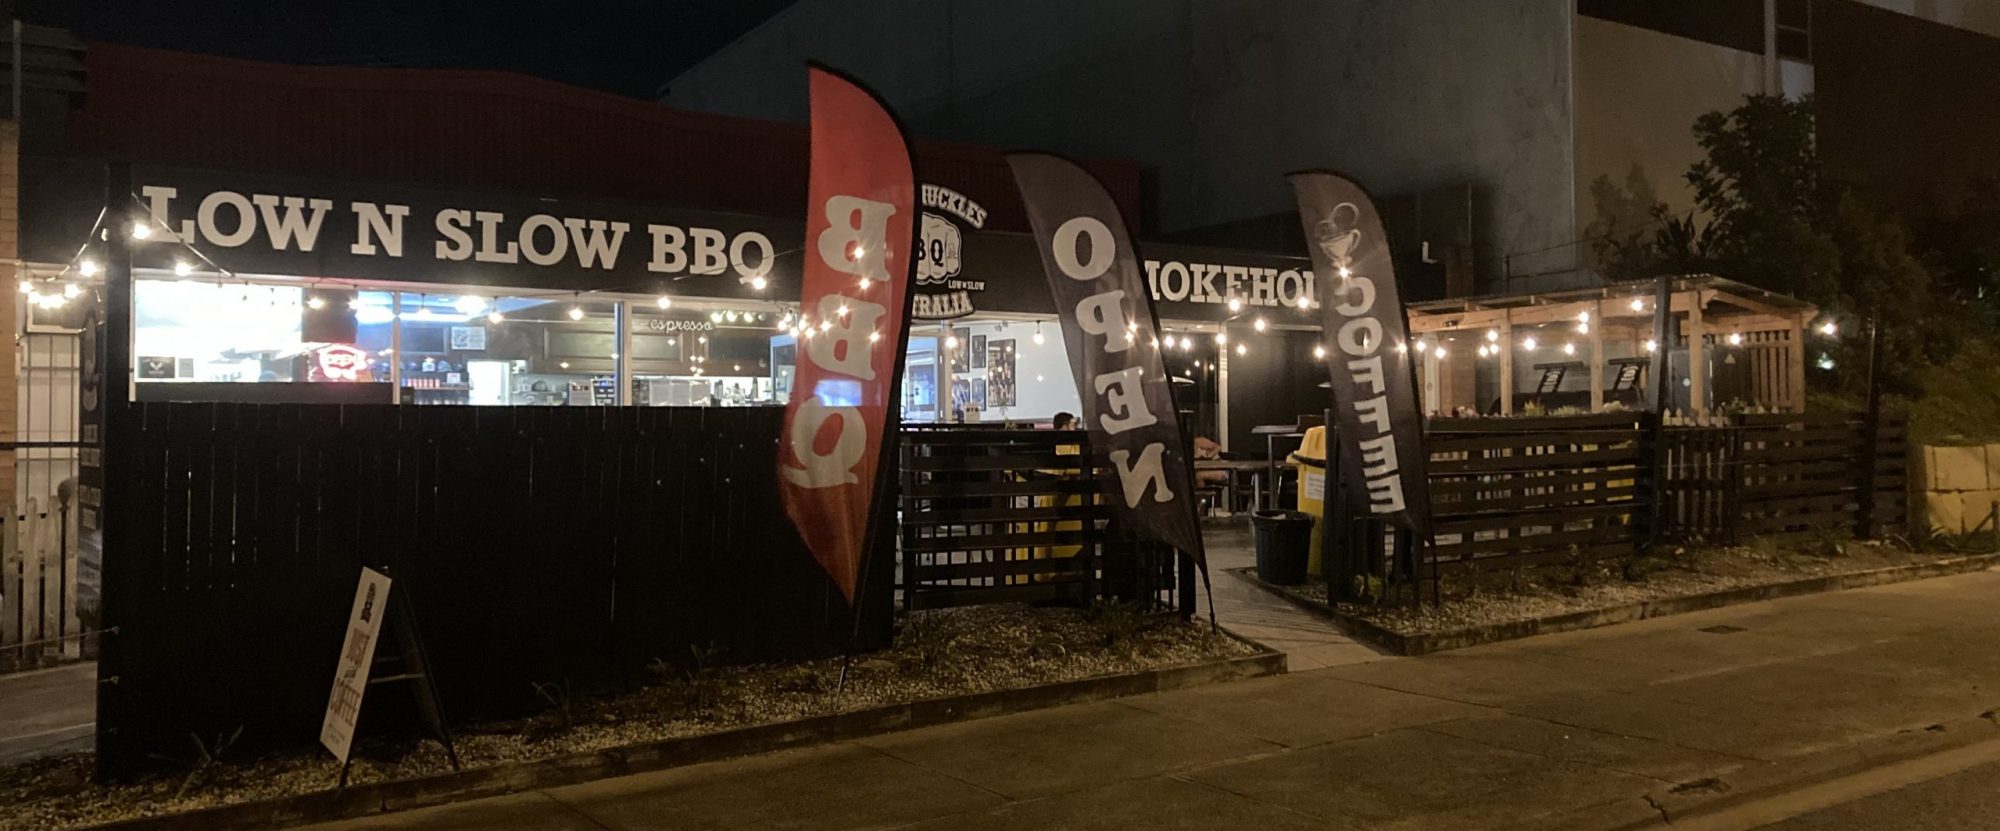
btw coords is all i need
(1310, 459)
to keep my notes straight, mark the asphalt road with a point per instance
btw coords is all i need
(1964, 801)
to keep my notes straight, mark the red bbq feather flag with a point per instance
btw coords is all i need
(860, 216)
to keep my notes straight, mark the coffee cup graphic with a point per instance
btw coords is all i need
(1339, 234)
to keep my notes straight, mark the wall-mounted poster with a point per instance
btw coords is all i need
(153, 368)
(978, 355)
(979, 393)
(468, 338)
(1000, 373)
(961, 356)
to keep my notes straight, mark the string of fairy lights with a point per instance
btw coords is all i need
(55, 290)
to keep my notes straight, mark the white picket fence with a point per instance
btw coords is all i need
(39, 624)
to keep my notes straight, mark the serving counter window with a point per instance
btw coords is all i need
(731, 357)
(202, 333)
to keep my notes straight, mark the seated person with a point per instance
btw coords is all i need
(1063, 421)
(1205, 449)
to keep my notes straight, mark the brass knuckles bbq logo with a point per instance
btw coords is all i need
(941, 293)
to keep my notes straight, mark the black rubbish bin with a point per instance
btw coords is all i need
(1284, 543)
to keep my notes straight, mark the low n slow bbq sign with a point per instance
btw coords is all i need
(261, 224)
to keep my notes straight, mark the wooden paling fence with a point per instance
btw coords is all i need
(552, 545)
(1520, 492)
(992, 515)
(1779, 474)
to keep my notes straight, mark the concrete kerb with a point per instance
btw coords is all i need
(400, 795)
(1428, 642)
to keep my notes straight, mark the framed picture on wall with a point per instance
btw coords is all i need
(979, 393)
(978, 354)
(960, 357)
(961, 394)
(1000, 372)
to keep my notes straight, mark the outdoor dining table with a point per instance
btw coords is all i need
(1237, 468)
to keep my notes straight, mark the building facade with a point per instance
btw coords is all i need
(1510, 111)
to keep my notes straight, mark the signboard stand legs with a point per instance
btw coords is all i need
(378, 611)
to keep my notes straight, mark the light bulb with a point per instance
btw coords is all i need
(1583, 328)
(495, 317)
(1221, 339)
(1259, 325)
(72, 290)
(864, 283)
(1038, 379)
(729, 316)
(758, 283)
(564, 365)
(843, 310)
(1421, 346)
(1735, 339)
(825, 325)
(182, 269)
(1583, 317)
(1345, 273)
(1569, 349)
(715, 317)
(576, 313)
(1039, 340)
(874, 336)
(27, 287)
(141, 230)
(664, 302)
(701, 339)
(1528, 343)
(1638, 304)
(1319, 352)
(469, 304)
(315, 302)
(951, 341)
(1235, 304)
(1652, 345)
(87, 267)
(1829, 329)
(1492, 335)
(1242, 350)
(1440, 352)
(1186, 343)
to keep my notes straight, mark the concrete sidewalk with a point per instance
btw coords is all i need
(47, 711)
(1568, 731)
(1308, 641)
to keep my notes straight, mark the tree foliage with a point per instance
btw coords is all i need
(1768, 215)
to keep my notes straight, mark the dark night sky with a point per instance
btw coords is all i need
(630, 47)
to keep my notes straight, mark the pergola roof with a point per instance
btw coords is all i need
(1722, 300)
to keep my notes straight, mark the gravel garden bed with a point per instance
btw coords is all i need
(936, 654)
(1508, 597)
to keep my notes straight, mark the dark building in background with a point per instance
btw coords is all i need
(1486, 124)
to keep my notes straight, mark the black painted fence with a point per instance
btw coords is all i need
(1568, 490)
(538, 545)
(992, 515)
